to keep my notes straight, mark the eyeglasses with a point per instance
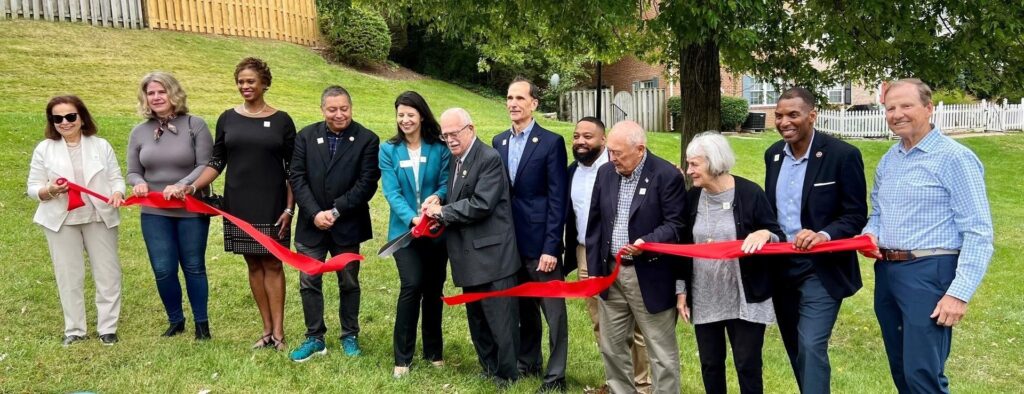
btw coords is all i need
(455, 134)
(58, 119)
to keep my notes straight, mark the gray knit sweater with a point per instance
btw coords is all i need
(169, 160)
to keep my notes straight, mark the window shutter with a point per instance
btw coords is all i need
(848, 94)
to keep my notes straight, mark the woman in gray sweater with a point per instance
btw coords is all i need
(166, 152)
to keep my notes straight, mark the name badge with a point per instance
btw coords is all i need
(726, 205)
(405, 164)
(319, 140)
(266, 123)
(643, 191)
(423, 159)
(776, 157)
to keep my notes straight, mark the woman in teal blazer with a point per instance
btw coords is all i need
(414, 169)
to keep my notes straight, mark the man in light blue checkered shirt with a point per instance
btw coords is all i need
(931, 220)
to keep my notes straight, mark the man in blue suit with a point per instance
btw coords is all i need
(535, 160)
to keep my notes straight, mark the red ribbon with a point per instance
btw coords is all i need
(719, 251)
(301, 262)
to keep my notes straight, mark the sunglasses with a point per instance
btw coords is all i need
(58, 119)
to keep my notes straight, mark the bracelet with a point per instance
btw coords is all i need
(194, 189)
(288, 211)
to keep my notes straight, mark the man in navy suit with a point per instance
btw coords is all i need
(638, 198)
(535, 161)
(816, 185)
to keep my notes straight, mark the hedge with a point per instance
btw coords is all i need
(356, 36)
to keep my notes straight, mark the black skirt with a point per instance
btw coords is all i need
(238, 242)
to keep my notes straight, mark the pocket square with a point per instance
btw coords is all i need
(824, 183)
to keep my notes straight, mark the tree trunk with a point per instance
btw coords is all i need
(700, 88)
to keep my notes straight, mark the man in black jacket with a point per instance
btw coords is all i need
(638, 198)
(334, 174)
(816, 185)
(481, 243)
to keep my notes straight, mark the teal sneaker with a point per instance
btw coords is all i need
(311, 347)
(351, 346)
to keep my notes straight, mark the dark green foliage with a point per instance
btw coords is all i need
(675, 106)
(734, 112)
(355, 36)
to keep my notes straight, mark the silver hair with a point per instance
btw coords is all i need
(334, 91)
(713, 147)
(635, 134)
(461, 113)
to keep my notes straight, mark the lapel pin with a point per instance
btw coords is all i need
(504, 142)
(319, 140)
(535, 139)
(350, 139)
(647, 180)
(776, 157)
(818, 155)
(464, 172)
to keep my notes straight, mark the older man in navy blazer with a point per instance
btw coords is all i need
(535, 161)
(816, 185)
(638, 197)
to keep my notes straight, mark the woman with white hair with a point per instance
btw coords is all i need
(727, 297)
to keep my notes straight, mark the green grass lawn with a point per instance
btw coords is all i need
(39, 60)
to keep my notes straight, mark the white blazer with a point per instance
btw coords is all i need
(51, 160)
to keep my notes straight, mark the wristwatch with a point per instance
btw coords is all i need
(335, 213)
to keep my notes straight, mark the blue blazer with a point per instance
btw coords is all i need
(539, 193)
(397, 181)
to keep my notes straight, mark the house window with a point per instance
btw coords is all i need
(839, 94)
(648, 84)
(758, 92)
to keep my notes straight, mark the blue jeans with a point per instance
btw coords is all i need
(905, 295)
(171, 241)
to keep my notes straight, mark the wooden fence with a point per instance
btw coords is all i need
(286, 20)
(983, 116)
(111, 13)
(644, 106)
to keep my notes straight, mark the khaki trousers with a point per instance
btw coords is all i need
(66, 251)
(620, 315)
(641, 364)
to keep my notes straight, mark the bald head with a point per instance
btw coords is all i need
(627, 144)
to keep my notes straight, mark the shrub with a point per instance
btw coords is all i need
(675, 106)
(355, 36)
(734, 112)
(952, 96)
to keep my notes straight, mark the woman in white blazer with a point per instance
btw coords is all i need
(72, 151)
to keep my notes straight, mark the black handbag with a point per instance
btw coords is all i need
(206, 194)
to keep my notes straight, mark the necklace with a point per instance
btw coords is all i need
(254, 113)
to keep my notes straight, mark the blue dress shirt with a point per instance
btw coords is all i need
(516, 145)
(933, 196)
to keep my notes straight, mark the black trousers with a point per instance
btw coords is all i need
(422, 270)
(311, 290)
(746, 338)
(531, 327)
(494, 327)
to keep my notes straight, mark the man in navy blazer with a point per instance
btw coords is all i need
(816, 185)
(535, 161)
(334, 175)
(638, 197)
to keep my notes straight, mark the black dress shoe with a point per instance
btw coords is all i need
(69, 339)
(502, 383)
(108, 339)
(557, 386)
(174, 329)
(203, 331)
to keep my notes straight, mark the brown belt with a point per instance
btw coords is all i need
(907, 255)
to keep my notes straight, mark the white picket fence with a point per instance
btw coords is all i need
(112, 13)
(647, 107)
(983, 116)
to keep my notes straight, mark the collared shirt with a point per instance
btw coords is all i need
(582, 189)
(789, 193)
(516, 146)
(627, 187)
(332, 140)
(933, 196)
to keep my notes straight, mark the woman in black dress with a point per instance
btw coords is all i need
(254, 142)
